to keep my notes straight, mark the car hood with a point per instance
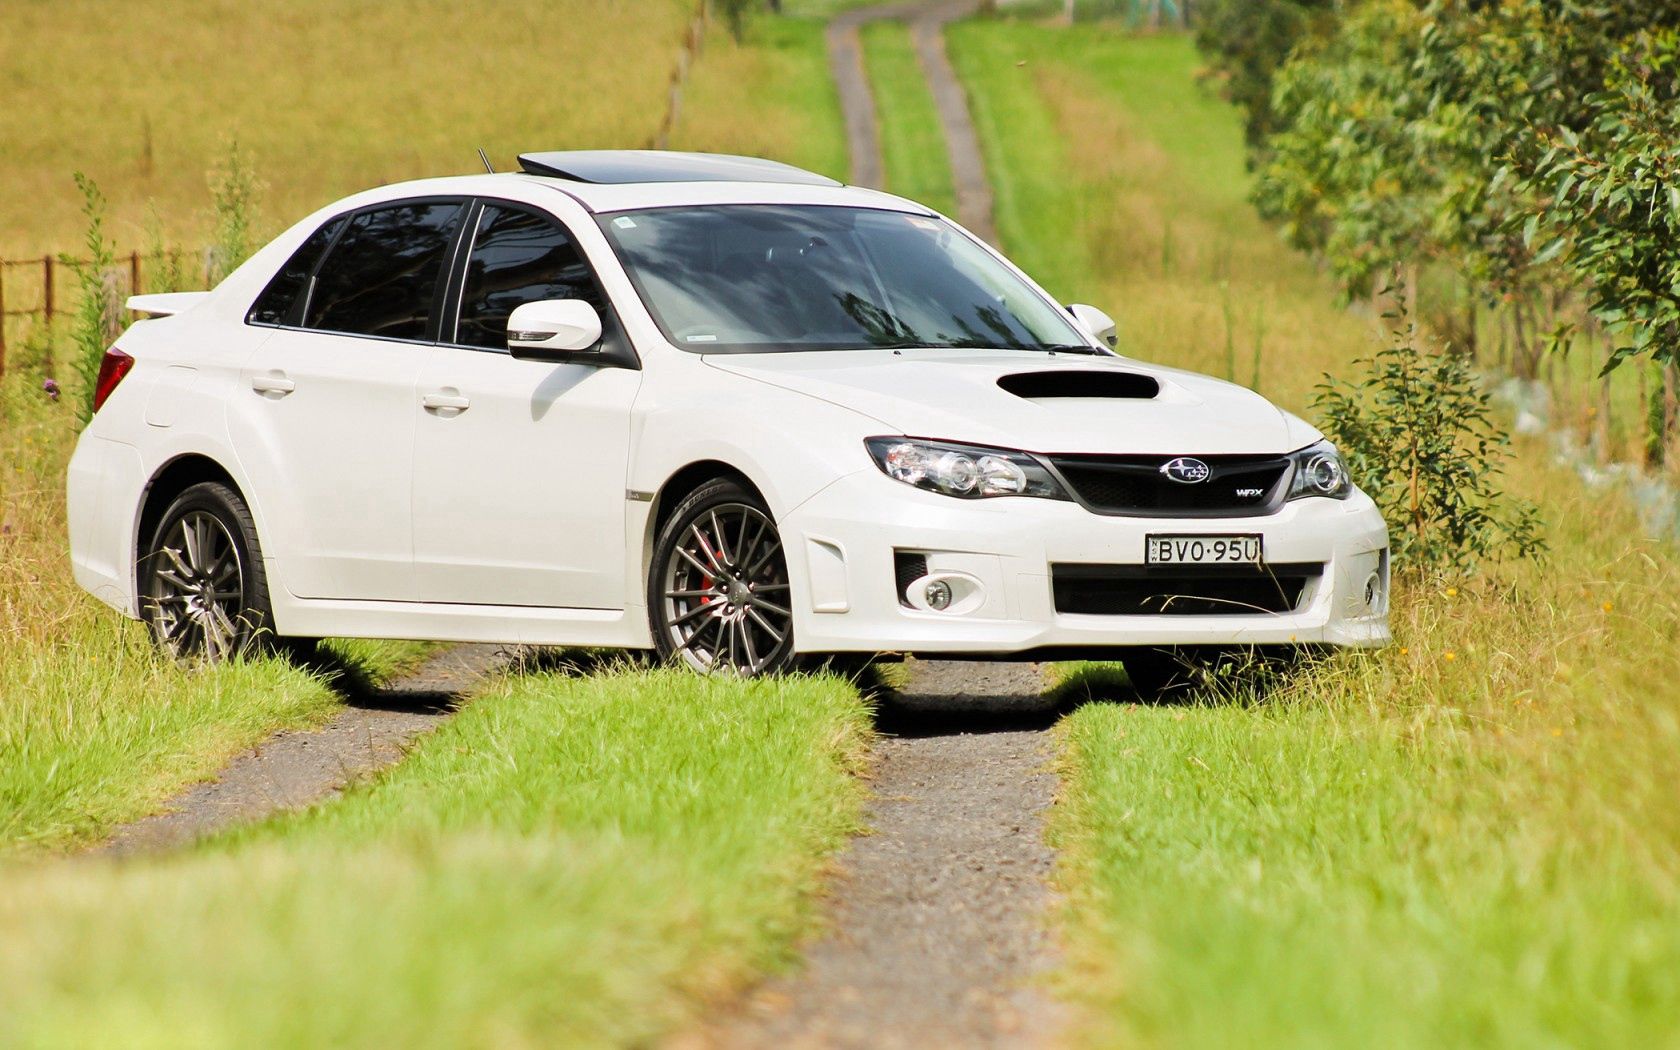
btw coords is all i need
(1049, 403)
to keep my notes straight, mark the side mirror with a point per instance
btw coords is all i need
(553, 330)
(1097, 323)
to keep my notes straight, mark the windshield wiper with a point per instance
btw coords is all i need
(1074, 348)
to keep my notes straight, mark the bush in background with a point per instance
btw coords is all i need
(1416, 428)
(96, 320)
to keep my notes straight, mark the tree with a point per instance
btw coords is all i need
(1247, 41)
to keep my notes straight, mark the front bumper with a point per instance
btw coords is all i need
(841, 546)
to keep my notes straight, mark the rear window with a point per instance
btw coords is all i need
(280, 301)
(383, 276)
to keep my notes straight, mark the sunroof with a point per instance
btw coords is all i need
(619, 166)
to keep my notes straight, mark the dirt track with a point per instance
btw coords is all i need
(939, 914)
(857, 101)
(296, 768)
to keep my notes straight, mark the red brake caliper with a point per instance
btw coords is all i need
(706, 577)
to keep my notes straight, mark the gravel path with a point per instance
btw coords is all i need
(968, 166)
(939, 915)
(857, 102)
(293, 769)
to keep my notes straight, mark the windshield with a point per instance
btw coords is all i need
(758, 278)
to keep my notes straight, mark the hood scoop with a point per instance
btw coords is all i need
(1086, 385)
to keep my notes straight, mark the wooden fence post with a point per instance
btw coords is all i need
(133, 278)
(47, 286)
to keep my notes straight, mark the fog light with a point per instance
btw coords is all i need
(1374, 592)
(937, 595)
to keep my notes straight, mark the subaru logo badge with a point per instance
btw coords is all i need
(1186, 470)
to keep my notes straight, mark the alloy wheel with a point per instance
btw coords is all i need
(198, 588)
(725, 592)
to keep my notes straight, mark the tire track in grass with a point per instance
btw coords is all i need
(296, 768)
(940, 915)
(857, 102)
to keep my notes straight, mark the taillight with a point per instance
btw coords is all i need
(112, 368)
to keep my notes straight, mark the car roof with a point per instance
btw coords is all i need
(620, 167)
(624, 180)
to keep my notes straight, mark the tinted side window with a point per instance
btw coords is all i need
(382, 275)
(518, 258)
(275, 305)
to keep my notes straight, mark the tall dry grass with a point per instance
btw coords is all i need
(329, 96)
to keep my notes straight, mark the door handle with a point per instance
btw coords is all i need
(273, 385)
(446, 400)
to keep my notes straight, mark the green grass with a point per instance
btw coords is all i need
(569, 862)
(913, 150)
(1468, 838)
(768, 96)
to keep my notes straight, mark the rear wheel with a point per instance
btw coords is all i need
(718, 592)
(202, 587)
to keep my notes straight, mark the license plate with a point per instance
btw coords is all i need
(1202, 550)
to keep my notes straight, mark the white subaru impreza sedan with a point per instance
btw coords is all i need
(714, 406)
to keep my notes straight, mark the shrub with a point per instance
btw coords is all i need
(1418, 433)
(234, 191)
(96, 321)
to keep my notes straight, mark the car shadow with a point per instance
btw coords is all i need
(975, 697)
(357, 687)
(928, 698)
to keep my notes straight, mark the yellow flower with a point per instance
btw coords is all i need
(1609, 605)
(1452, 592)
(1557, 732)
(1449, 656)
(1404, 650)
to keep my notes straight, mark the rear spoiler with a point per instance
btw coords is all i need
(165, 304)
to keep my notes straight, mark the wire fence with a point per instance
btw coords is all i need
(34, 289)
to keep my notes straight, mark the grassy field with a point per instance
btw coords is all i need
(912, 141)
(768, 96)
(1467, 838)
(330, 96)
(570, 862)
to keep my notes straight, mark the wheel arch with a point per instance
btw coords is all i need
(677, 488)
(170, 480)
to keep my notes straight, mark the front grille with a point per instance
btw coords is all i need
(908, 567)
(1181, 590)
(1237, 486)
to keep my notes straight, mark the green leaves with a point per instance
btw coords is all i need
(95, 323)
(1418, 433)
(1617, 204)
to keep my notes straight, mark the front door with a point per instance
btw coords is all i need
(520, 466)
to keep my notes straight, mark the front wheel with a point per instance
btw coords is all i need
(718, 592)
(203, 592)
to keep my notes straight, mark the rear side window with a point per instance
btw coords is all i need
(279, 302)
(518, 258)
(382, 276)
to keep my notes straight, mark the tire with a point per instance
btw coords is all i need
(203, 591)
(1159, 672)
(718, 592)
(1168, 673)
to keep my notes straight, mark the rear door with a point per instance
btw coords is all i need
(326, 433)
(519, 466)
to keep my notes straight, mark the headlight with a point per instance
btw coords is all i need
(964, 471)
(1319, 471)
